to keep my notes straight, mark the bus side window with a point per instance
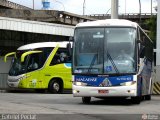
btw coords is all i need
(60, 57)
(55, 60)
(64, 58)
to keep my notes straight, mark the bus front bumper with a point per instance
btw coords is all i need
(120, 91)
(13, 81)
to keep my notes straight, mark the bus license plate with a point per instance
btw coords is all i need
(103, 91)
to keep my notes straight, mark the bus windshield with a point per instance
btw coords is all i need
(18, 67)
(104, 50)
(31, 62)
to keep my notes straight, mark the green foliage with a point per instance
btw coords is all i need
(152, 26)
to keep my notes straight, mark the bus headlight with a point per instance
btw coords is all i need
(128, 83)
(80, 83)
(21, 78)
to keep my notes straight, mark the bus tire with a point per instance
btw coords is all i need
(86, 100)
(55, 86)
(147, 97)
(136, 100)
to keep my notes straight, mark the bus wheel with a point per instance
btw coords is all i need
(136, 100)
(147, 97)
(55, 86)
(86, 100)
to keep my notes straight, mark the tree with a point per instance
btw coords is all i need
(152, 26)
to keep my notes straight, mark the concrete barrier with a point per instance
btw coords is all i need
(156, 88)
(3, 81)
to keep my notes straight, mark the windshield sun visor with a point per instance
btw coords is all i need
(28, 53)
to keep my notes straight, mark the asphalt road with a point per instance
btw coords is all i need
(65, 106)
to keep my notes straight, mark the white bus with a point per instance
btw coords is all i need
(112, 58)
(41, 66)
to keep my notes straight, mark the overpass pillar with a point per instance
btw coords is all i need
(114, 9)
(156, 76)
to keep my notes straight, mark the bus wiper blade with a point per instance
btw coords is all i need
(92, 63)
(114, 65)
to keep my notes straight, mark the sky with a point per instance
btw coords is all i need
(92, 6)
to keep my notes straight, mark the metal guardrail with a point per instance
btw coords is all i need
(3, 81)
(124, 16)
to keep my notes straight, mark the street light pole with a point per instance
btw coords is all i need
(84, 5)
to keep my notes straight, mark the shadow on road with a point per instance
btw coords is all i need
(112, 101)
(33, 91)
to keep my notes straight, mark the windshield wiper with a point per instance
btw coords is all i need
(114, 65)
(92, 63)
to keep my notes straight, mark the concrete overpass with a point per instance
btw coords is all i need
(52, 16)
(60, 17)
(5, 4)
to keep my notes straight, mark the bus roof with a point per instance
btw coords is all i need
(108, 22)
(42, 44)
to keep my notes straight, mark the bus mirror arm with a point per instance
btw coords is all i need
(139, 41)
(69, 48)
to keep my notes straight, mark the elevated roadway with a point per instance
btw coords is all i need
(136, 17)
(52, 16)
(5, 4)
(14, 10)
